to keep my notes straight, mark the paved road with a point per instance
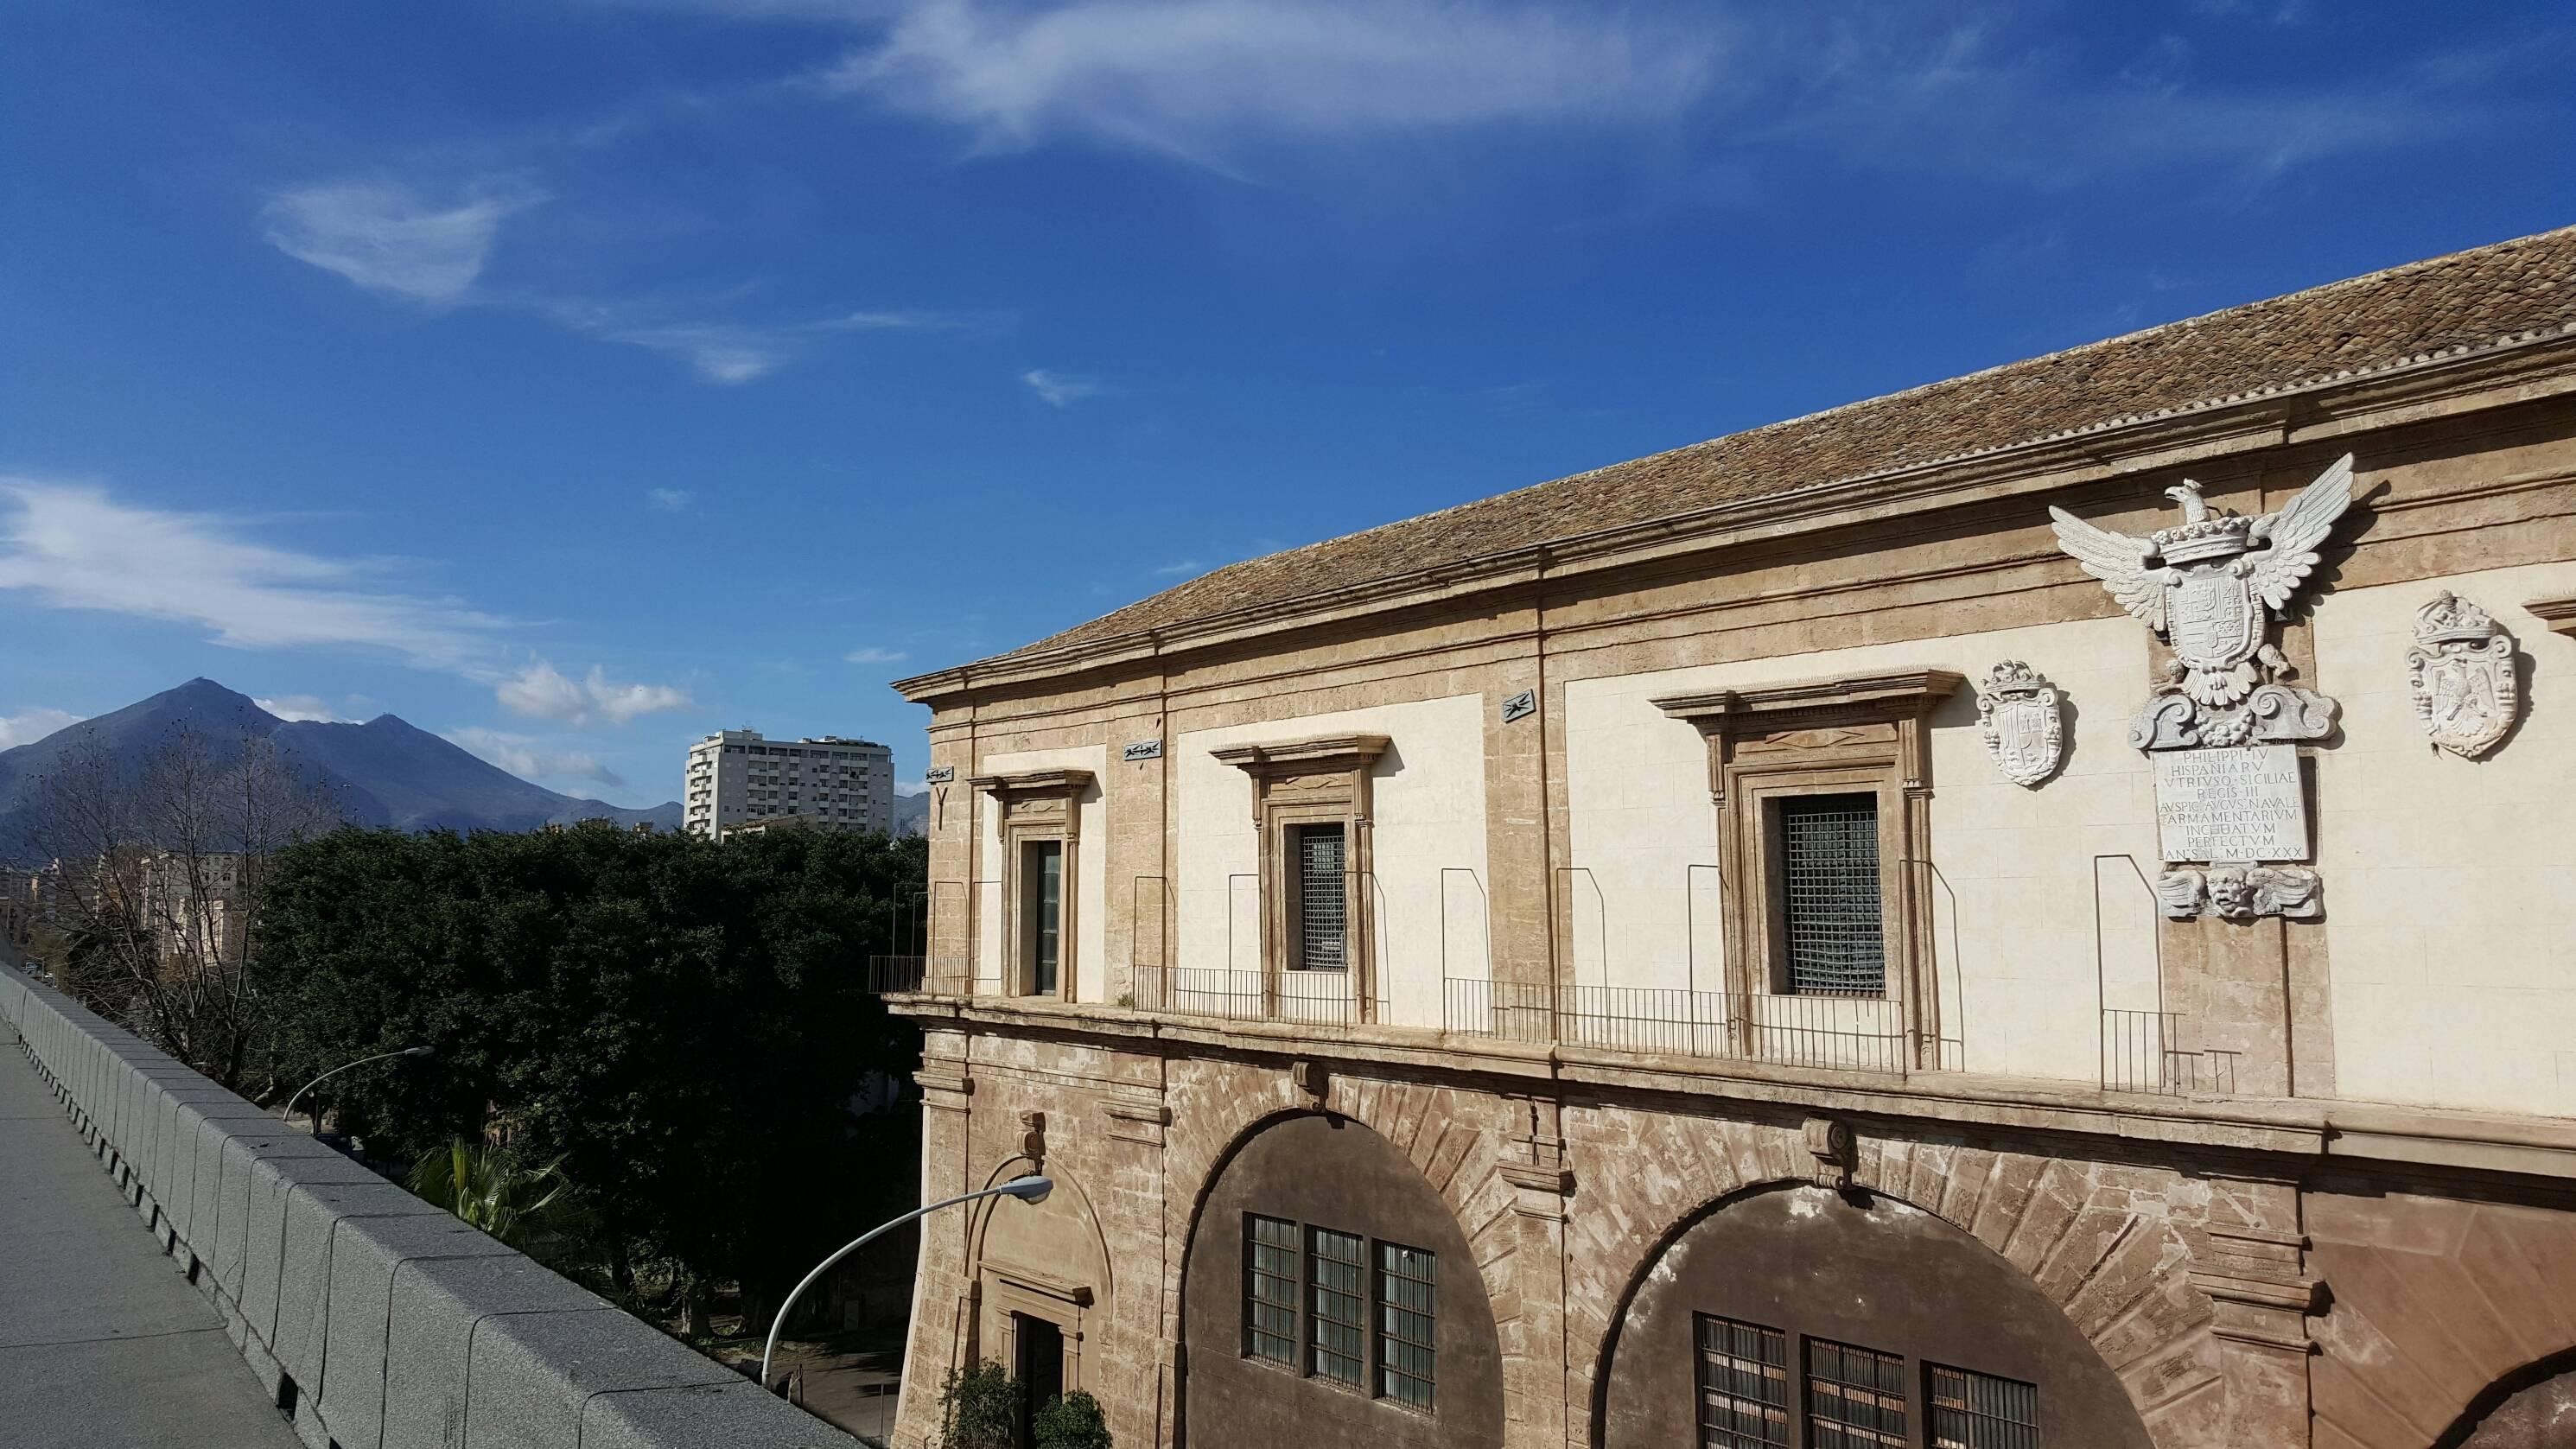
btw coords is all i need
(103, 1345)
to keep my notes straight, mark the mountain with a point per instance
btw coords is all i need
(912, 814)
(388, 771)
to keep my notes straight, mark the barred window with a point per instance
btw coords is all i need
(1743, 1384)
(1855, 1397)
(1407, 1282)
(1321, 900)
(1829, 895)
(1971, 1410)
(1270, 1289)
(1336, 1324)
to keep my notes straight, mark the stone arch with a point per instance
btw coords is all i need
(2102, 1241)
(1328, 1168)
(1851, 1266)
(1434, 1127)
(2525, 1409)
(1048, 1261)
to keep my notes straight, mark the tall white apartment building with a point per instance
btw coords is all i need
(737, 777)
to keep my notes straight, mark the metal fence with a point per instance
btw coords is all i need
(1865, 1034)
(2148, 1051)
(1311, 998)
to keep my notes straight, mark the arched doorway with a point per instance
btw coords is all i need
(1329, 1297)
(1041, 1286)
(1791, 1315)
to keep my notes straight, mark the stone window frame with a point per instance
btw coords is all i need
(1320, 781)
(1034, 807)
(1850, 735)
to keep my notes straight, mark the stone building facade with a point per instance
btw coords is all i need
(1875, 930)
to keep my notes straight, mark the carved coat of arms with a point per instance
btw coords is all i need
(2460, 671)
(2025, 732)
(2212, 584)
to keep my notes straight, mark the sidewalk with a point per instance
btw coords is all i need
(102, 1344)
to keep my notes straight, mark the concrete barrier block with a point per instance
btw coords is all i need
(273, 1182)
(307, 1238)
(437, 1308)
(364, 1256)
(209, 1125)
(174, 1164)
(530, 1373)
(734, 1416)
(243, 1148)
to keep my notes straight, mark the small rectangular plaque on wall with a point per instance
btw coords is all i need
(1520, 705)
(1142, 750)
(2242, 803)
(939, 774)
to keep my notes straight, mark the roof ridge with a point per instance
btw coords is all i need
(2258, 348)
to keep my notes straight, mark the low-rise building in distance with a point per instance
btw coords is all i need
(737, 776)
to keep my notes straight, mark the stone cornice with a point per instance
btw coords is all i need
(1906, 692)
(1322, 754)
(1034, 782)
(2509, 370)
(2305, 1132)
(2558, 614)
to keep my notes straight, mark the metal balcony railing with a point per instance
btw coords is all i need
(1310, 998)
(2148, 1051)
(1865, 1034)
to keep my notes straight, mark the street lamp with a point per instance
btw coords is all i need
(1026, 1189)
(289, 1113)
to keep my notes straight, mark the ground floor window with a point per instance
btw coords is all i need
(1743, 1384)
(1342, 1307)
(1855, 1397)
(1971, 1410)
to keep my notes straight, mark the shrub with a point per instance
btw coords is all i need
(1071, 1422)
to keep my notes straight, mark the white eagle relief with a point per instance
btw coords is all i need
(2205, 585)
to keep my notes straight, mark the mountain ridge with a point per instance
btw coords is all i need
(389, 771)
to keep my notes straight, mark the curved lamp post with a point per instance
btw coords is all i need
(1026, 1189)
(289, 1113)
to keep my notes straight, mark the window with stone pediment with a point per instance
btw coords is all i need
(1310, 810)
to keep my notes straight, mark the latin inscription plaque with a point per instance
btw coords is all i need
(2243, 803)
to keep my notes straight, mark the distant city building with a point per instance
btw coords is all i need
(737, 777)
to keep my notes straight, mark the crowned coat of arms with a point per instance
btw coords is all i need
(2025, 732)
(2211, 587)
(2460, 671)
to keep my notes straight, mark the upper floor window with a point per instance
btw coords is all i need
(1319, 921)
(1831, 934)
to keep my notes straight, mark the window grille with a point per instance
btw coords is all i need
(1743, 1385)
(1971, 1410)
(1407, 1282)
(1855, 1397)
(1322, 900)
(1829, 895)
(1336, 1322)
(1270, 1289)
(1044, 865)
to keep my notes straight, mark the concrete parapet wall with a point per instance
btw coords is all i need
(376, 1320)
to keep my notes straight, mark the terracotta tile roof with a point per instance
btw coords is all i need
(2466, 300)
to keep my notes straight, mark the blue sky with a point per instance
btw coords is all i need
(575, 377)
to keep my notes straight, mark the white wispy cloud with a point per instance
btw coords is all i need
(1183, 566)
(1063, 389)
(30, 725)
(390, 238)
(540, 691)
(872, 654)
(1189, 76)
(529, 759)
(670, 500)
(303, 707)
(73, 546)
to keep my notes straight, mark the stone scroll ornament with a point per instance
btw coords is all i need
(2025, 731)
(2460, 671)
(2211, 587)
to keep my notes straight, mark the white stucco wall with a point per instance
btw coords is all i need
(1428, 812)
(2450, 884)
(2015, 904)
(1090, 893)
